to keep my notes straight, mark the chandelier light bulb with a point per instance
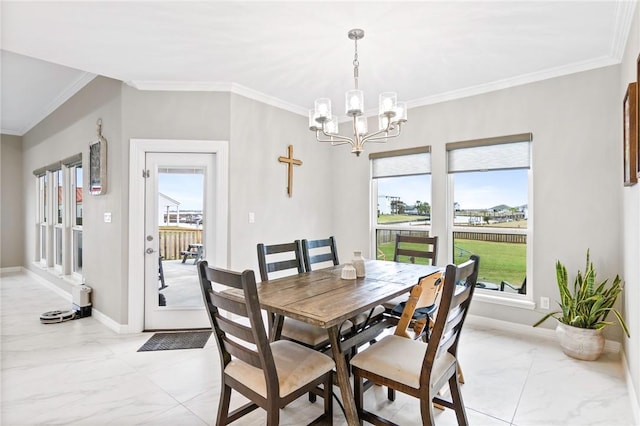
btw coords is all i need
(355, 102)
(387, 103)
(323, 109)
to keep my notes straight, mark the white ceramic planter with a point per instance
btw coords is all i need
(580, 343)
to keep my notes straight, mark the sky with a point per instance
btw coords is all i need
(472, 190)
(187, 189)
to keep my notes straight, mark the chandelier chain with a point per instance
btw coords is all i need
(356, 63)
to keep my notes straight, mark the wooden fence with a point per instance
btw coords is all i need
(384, 236)
(173, 240)
(389, 236)
(494, 238)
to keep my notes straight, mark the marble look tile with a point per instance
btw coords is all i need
(81, 373)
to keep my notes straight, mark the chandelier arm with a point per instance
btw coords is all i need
(341, 139)
(375, 138)
(372, 136)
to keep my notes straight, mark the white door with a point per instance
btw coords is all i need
(180, 194)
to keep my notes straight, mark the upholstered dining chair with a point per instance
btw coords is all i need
(288, 257)
(424, 368)
(270, 375)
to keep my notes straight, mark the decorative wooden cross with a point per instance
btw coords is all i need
(290, 163)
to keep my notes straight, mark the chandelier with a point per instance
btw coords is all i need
(391, 114)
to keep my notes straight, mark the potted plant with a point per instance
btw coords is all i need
(584, 311)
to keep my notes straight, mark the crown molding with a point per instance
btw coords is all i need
(515, 81)
(624, 13)
(203, 86)
(62, 97)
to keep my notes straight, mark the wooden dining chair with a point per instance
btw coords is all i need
(280, 257)
(270, 375)
(288, 257)
(324, 251)
(407, 249)
(424, 368)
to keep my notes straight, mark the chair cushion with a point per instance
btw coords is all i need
(296, 366)
(309, 334)
(361, 318)
(382, 358)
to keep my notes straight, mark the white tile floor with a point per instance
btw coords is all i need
(81, 373)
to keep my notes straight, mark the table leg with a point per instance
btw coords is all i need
(342, 376)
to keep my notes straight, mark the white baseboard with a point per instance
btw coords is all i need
(10, 269)
(60, 292)
(99, 316)
(522, 329)
(633, 396)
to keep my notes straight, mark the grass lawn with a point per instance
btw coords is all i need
(498, 261)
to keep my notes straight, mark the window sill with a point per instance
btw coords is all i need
(485, 297)
(71, 279)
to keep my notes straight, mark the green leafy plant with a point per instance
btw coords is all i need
(589, 303)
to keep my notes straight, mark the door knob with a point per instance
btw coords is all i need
(150, 250)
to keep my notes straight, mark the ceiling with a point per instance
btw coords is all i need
(289, 53)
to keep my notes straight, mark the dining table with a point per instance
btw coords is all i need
(322, 298)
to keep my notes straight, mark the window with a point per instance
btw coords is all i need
(489, 183)
(401, 197)
(74, 166)
(58, 192)
(41, 220)
(59, 215)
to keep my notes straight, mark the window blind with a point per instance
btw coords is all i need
(509, 152)
(74, 160)
(407, 162)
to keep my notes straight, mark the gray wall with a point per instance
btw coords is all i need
(12, 193)
(630, 218)
(67, 131)
(575, 121)
(258, 182)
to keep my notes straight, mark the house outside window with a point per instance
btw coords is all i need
(489, 187)
(401, 197)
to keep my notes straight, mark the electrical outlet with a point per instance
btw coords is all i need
(544, 303)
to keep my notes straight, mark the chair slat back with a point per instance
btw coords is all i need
(270, 258)
(423, 294)
(408, 247)
(457, 292)
(319, 251)
(241, 335)
(431, 286)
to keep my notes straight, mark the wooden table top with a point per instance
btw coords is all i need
(324, 299)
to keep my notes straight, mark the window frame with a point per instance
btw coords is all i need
(373, 205)
(498, 297)
(55, 216)
(76, 230)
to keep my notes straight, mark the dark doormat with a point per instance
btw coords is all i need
(180, 340)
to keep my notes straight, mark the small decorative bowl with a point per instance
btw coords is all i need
(348, 272)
